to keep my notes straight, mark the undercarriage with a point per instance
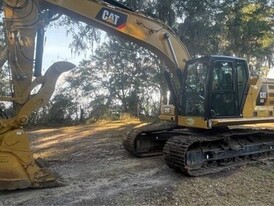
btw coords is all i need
(201, 152)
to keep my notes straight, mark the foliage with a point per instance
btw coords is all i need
(121, 77)
(250, 30)
(2, 32)
(4, 83)
(5, 90)
(84, 36)
(116, 81)
(59, 111)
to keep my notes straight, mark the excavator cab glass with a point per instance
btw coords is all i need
(223, 100)
(194, 90)
(214, 87)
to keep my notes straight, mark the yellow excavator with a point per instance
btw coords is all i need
(214, 92)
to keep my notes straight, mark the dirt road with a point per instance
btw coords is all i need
(98, 171)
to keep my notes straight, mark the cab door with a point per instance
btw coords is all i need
(224, 99)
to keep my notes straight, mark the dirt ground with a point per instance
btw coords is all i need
(98, 171)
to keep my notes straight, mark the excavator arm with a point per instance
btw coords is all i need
(24, 26)
(136, 27)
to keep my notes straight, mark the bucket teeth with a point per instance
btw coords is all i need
(18, 169)
(46, 179)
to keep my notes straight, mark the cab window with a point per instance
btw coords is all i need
(195, 89)
(223, 89)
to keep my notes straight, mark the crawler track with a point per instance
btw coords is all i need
(205, 153)
(200, 152)
(148, 140)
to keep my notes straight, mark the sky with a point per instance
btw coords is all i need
(56, 48)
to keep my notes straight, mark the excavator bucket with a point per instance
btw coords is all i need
(18, 169)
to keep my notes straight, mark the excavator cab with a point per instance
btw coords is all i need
(214, 87)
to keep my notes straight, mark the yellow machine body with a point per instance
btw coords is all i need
(24, 19)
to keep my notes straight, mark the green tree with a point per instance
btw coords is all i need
(61, 109)
(119, 75)
(84, 36)
(199, 26)
(3, 51)
(243, 28)
(250, 30)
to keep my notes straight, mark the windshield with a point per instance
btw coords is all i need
(195, 89)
